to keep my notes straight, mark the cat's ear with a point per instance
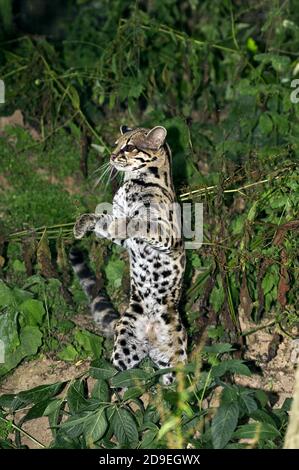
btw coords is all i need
(124, 129)
(156, 137)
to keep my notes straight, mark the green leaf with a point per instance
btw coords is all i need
(148, 439)
(253, 211)
(217, 296)
(129, 378)
(114, 271)
(7, 400)
(151, 414)
(259, 431)
(33, 311)
(74, 97)
(16, 348)
(95, 427)
(37, 411)
(102, 370)
(262, 397)
(230, 394)
(69, 353)
(54, 412)
(263, 416)
(281, 63)
(125, 429)
(265, 124)
(215, 332)
(75, 396)
(74, 426)
(41, 393)
(19, 266)
(63, 441)
(249, 402)
(234, 366)
(100, 390)
(269, 281)
(251, 45)
(7, 297)
(90, 342)
(224, 424)
(219, 348)
(31, 339)
(133, 392)
(130, 87)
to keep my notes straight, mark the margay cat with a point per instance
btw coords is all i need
(151, 326)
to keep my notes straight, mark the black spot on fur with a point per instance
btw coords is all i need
(162, 291)
(166, 273)
(166, 318)
(123, 342)
(135, 357)
(154, 171)
(76, 256)
(137, 308)
(130, 315)
(126, 351)
(122, 365)
(163, 364)
(85, 273)
(100, 305)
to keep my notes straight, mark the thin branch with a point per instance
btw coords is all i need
(17, 428)
(209, 189)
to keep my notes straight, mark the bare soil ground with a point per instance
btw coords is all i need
(276, 356)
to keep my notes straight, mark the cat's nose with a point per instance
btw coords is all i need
(113, 156)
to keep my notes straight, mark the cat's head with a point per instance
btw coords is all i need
(139, 149)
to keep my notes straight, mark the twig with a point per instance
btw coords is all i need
(254, 330)
(186, 196)
(17, 428)
(181, 37)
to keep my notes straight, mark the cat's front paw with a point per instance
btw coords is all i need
(84, 224)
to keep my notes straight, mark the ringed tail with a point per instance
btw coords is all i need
(101, 307)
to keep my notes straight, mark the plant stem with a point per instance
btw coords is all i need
(254, 330)
(17, 428)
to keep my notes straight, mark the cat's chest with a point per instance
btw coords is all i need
(119, 203)
(126, 200)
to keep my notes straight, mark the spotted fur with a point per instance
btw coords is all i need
(151, 326)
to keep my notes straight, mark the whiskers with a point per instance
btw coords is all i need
(108, 174)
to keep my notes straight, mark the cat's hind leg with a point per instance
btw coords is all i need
(130, 344)
(168, 344)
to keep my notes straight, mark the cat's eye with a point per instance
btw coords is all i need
(129, 148)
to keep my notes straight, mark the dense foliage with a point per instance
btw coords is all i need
(218, 76)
